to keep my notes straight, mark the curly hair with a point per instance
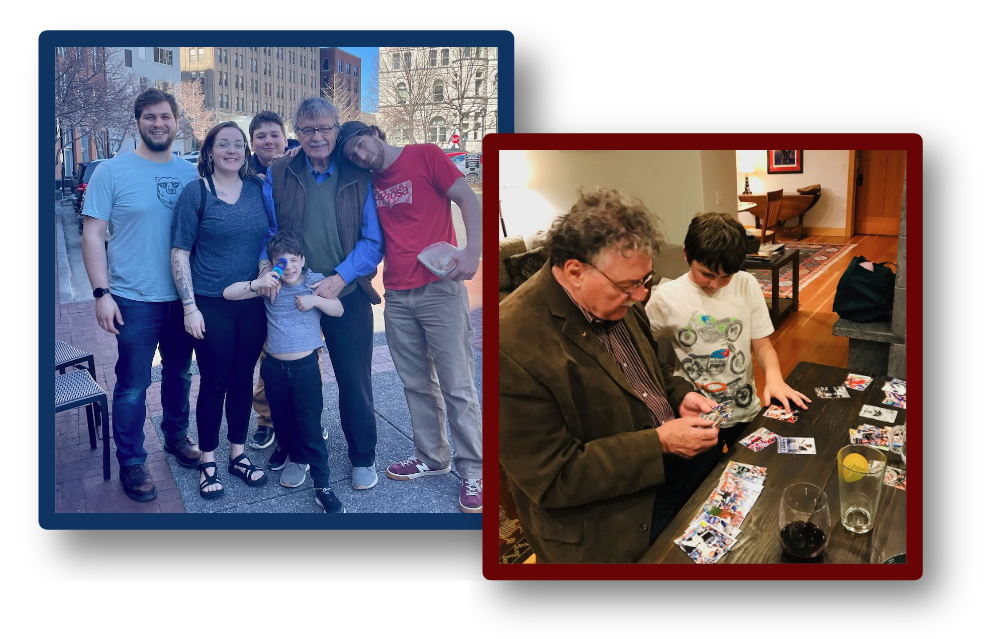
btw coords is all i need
(282, 243)
(603, 219)
(717, 241)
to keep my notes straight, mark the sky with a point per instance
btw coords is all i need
(366, 56)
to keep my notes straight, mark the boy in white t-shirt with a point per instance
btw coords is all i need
(715, 315)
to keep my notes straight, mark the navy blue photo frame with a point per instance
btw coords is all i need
(47, 43)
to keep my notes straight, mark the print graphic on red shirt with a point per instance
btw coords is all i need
(397, 194)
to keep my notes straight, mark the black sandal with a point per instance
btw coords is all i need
(245, 471)
(209, 481)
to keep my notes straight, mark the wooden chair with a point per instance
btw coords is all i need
(770, 226)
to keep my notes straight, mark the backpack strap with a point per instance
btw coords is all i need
(202, 200)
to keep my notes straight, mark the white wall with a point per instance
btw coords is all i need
(829, 169)
(539, 185)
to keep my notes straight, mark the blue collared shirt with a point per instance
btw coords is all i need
(369, 250)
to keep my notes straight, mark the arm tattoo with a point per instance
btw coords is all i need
(182, 272)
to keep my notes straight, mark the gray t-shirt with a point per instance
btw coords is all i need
(290, 329)
(225, 246)
(137, 198)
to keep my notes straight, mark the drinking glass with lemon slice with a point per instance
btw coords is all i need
(860, 480)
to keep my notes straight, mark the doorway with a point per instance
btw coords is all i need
(879, 188)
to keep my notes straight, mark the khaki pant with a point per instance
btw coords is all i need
(258, 401)
(429, 337)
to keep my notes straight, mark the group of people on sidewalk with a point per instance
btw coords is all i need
(249, 259)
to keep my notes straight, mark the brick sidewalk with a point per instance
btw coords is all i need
(79, 486)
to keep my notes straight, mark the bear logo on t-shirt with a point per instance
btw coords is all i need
(167, 190)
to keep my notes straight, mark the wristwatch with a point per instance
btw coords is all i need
(99, 292)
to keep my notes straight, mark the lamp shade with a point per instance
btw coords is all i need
(744, 164)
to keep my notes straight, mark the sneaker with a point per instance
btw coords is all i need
(185, 451)
(263, 437)
(279, 459)
(412, 468)
(137, 482)
(471, 495)
(324, 433)
(294, 474)
(364, 477)
(325, 497)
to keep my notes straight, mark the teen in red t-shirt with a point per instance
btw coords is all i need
(426, 318)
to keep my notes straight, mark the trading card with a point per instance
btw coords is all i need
(895, 477)
(897, 386)
(895, 400)
(719, 414)
(832, 392)
(778, 412)
(857, 382)
(879, 414)
(755, 474)
(705, 545)
(722, 524)
(759, 439)
(797, 445)
(877, 436)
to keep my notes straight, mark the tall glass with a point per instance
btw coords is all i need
(860, 481)
(804, 521)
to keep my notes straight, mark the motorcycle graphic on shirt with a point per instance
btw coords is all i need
(740, 394)
(709, 329)
(714, 363)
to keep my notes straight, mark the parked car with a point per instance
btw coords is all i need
(470, 165)
(191, 157)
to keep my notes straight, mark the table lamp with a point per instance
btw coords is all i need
(745, 165)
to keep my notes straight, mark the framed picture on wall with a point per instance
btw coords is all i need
(785, 161)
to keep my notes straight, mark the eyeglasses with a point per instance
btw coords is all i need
(226, 144)
(309, 131)
(638, 283)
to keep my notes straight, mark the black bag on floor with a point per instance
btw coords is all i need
(864, 295)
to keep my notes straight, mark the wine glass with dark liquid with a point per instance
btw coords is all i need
(804, 521)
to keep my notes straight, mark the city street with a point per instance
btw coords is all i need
(79, 486)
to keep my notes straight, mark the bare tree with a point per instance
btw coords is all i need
(196, 118)
(342, 95)
(405, 93)
(469, 85)
(94, 92)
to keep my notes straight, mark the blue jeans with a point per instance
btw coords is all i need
(147, 325)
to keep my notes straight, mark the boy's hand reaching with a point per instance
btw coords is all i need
(784, 393)
(270, 287)
(307, 302)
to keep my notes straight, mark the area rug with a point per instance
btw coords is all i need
(513, 546)
(814, 259)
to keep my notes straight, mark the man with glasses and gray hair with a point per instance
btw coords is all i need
(328, 204)
(601, 443)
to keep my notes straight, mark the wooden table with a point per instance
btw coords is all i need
(827, 421)
(794, 205)
(780, 308)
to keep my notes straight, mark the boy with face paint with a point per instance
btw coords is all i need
(290, 369)
(715, 316)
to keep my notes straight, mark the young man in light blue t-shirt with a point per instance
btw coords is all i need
(132, 195)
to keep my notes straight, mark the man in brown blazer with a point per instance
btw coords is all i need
(600, 442)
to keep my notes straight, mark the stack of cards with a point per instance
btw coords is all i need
(710, 536)
(797, 445)
(777, 412)
(869, 435)
(719, 414)
(896, 393)
(895, 477)
(831, 392)
(857, 382)
(759, 439)
(879, 414)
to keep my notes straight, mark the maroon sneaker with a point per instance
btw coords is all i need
(471, 495)
(412, 468)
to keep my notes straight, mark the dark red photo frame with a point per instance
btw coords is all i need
(491, 568)
(795, 167)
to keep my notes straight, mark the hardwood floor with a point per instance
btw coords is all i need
(806, 334)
